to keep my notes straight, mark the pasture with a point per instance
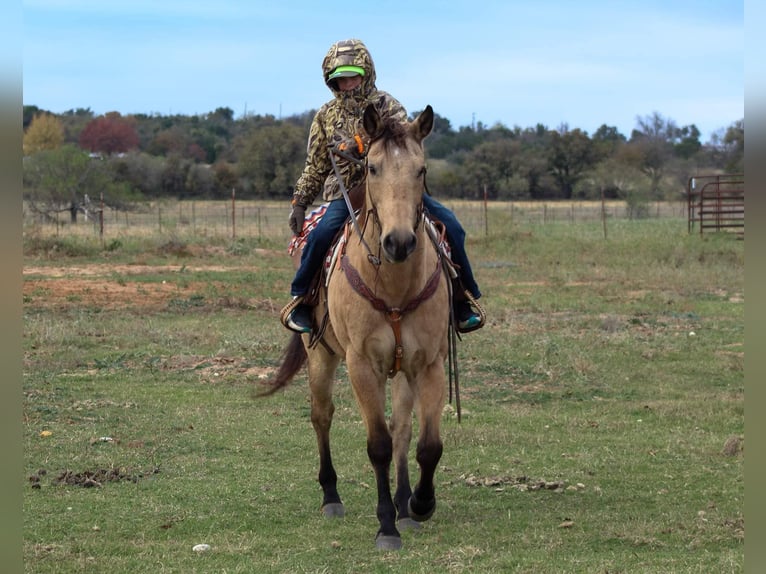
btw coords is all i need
(602, 430)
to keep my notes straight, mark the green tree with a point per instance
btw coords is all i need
(606, 140)
(140, 171)
(490, 165)
(272, 158)
(571, 154)
(29, 113)
(687, 142)
(63, 179)
(734, 140)
(224, 179)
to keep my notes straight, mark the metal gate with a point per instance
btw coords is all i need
(717, 202)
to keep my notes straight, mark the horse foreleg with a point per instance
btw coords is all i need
(431, 388)
(322, 367)
(369, 390)
(400, 424)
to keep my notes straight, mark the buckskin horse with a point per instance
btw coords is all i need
(388, 317)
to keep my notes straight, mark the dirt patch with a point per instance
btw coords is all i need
(90, 478)
(104, 286)
(211, 368)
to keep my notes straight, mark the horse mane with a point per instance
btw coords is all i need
(393, 133)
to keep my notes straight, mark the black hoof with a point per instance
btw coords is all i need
(419, 511)
(388, 542)
(334, 510)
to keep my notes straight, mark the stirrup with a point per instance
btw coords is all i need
(480, 311)
(284, 314)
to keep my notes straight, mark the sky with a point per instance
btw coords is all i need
(580, 64)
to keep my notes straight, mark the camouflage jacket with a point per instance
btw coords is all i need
(338, 120)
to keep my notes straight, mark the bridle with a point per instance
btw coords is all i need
(373, 210)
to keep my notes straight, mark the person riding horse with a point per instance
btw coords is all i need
(349, 72)
(392, 330)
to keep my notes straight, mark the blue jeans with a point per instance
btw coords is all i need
(317, 245)
(320, 240)
(456, 239)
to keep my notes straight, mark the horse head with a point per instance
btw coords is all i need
(396, 171)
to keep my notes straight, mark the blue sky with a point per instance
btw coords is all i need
(582, 63)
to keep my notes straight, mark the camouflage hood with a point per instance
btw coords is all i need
(340, 119)
(349, 53)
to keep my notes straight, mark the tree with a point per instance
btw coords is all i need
(172, 140)
(224, 178)
(109, 134)
(571, 154)
(490, 164)
(273, 157)
(29, 113)
(734, 141)
(45, 132)
(653, 138)
(141, 172)
(607, 139)
(687, 142)
(74, 121)
(60, 179)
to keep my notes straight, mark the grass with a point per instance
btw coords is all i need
(599, 433)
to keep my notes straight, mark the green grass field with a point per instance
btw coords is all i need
(602, 431)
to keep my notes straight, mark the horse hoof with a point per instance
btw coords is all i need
(384, 542)
(334, 510)
(417, 516)
(405, 524)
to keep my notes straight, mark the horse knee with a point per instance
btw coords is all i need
(429, 453)
(380, 449)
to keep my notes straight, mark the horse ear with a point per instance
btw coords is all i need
(424, 123)
(371, 122)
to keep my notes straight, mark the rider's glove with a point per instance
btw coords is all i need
(351, 146)
(297, 216)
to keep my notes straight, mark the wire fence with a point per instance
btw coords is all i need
(268, 219)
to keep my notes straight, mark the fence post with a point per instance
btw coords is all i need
(101, 221)
(486, 219)
(233, 214)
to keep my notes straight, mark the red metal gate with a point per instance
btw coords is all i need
(716, 202)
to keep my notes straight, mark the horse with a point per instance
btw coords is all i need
(387, 315)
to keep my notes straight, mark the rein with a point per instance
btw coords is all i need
(393, 314)
(334, 150)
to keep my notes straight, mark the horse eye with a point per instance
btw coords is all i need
(372, 169)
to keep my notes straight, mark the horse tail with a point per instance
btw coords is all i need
(293, 358)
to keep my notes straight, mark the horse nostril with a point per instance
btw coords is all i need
(410, 243)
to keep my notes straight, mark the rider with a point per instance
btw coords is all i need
(349, 72)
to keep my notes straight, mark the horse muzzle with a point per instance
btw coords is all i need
(398, 245)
